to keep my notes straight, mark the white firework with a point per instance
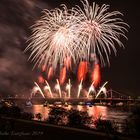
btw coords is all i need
(55, 38)
(100, 30)
(76, 33)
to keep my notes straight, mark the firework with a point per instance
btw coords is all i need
(57, 87)
(100, 30)
(62, 75)
(91, 89)
(67, 63)
(50, 72)
(68, 88)
(79, 88)
(39, 89)
(82, 70)
(43, 68)
(64, 37)
(48, 88)
(95, 75)
(40, 79)
(54, 38)
(102, 89)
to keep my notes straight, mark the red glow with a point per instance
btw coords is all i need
(43, 68)
(96, 112)
(82, 70)
(40, 79)
(50, 73)
(62, 75)
(67, 62)
(95, 75)
(99, 111)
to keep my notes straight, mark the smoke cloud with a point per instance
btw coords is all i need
(16, 74)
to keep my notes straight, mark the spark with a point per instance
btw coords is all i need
(48, 88)
(57, 87)
(91, 89)
(79, 88)
(101, 89)
(34, 90)
(50, 72)
(39, 89)
(68, 87)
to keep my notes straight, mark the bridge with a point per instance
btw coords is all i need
(112, 97)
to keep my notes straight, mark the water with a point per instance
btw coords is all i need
(115, 114)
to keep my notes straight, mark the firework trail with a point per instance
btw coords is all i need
(50, 73)
(91, 89)
(100, 30)
(62, 75)
(43, 68)
(48, 88)
(101, 89)
(79, 88)
(75, 33)
(68, 87)
(64, 37)
(54, 38)
(95, 75)
(82, 70)
(39, 90)
(57, 87)
(67, 63)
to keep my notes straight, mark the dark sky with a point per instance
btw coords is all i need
(16, 16)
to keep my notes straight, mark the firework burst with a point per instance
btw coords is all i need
(100, 30)
(55, 38)
(75, 34)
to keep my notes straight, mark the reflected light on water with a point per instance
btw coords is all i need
(97, 112)
(94, 111)
(81, 108)
(40, 109)
(69, 107)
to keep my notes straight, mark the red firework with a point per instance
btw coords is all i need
(43, 68)
(95, 75)
(40, 79)
(67, 62)
(50, 73)
(62, 75)
(82, 70)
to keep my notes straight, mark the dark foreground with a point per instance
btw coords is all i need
(17, 129)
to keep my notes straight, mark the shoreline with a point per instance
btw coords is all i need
(25, 129)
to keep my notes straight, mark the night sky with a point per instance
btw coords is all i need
(16, 74)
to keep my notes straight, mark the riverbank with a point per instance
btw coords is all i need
(15, 129)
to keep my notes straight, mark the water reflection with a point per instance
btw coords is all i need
(97, 112)
(40, 109)
(103, 112)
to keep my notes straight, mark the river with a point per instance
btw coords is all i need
(116, 114)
